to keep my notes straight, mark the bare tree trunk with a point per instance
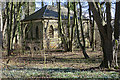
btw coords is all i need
(105, 33)
(68, 26)
(11, 18)
(72, 28)
(59, 28)
(92, 38)
(116, 34)
(8, 30)
(27, 8)
(107, 45)
(82, 46)
(1, 28)
(15, 19)
(81, 26)
(117, 23)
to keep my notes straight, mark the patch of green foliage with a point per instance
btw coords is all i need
(58, 73)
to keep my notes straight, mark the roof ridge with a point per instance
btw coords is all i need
(33, 14)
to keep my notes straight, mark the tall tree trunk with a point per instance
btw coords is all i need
(92, 38)
(1, 24)
(105, 33)
(72, 28)
(117, 23)
(82, 46)
(8, 30)
(107, 43)
(68, 26)
(15, 19)
(116, 34)
(11, 18)
(81, 26)
(27, 8)
(59, 28)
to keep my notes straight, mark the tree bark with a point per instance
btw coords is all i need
(72, 28)
(107, 44)
(68, 26)
(116, 34)
(81, 26)
(11, 23)
(8, 30)
(117, 23)
(15, 19)
(92, 37)
(82, 46)
(105, 33)
(1, 24)
(59, 28)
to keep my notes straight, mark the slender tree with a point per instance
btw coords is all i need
(11, 23)
(81, 26)
(8, 36)
(78, 37)
(60, 28)
(27, 8)
(116, 33)
(92, 38)
(16, 17)
(1, 24)
(68, 26)
(72, 28)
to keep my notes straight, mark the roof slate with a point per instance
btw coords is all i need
(49, 12)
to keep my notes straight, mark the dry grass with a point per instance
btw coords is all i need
(73, 59)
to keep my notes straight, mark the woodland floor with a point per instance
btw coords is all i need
(56, 65)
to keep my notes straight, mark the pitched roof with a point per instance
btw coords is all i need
(49, 12)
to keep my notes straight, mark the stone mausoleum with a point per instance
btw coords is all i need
(40, 29)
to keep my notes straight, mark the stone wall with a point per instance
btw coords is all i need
(44, 39)
(34, 39)
(51, 42)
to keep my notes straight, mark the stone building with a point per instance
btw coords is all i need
(40, 29)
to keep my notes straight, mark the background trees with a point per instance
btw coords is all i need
(11, 21)
(14, 11)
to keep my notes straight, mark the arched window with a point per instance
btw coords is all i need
(37, 32)
(51, 32)
(26, 33)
